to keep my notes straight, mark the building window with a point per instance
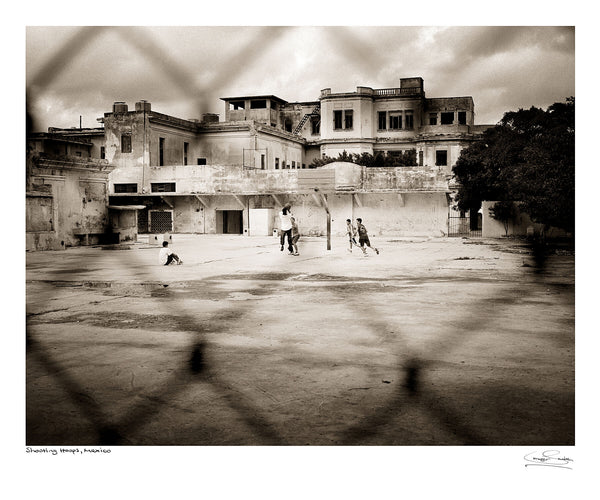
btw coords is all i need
(163, 187)
(235, 105)
(408, 120)
(161, 151)
(126, 188)
(343, 119)
(77, 153)
(395, 120)
(276, 163)
(126, 143)
(258, 104)
(337, 120)
(315, 125)
(420, 158)
(348, 116)
(432, 118)
(201, 161)
(462, 117)
(102, 153)
(262, 162)
(304, 165)
(441, 158)
(448, 118)
(381, 120)
(186, 146)
(293, 164)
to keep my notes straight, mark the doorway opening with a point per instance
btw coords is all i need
(230, 221)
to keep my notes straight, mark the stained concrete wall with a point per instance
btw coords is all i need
(408, 214)
(521, 225)
(287, 151)
(385, 214)
(216, 179)
(453, 149)
(79, 200)
(401, 201)
(173, 148)
(124, 222)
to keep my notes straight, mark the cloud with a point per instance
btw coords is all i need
(83, 71)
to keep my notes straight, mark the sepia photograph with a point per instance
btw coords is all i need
(300, 246)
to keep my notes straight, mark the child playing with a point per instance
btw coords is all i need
(363, 237)
(351, 231)
(285, 227)
(295, 235)
(166, 255)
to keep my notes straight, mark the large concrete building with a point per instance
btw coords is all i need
(232, 176)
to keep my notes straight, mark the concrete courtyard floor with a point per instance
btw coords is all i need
(441, 341)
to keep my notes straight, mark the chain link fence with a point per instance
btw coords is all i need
(197, 365)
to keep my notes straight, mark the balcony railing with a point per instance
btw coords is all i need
(398, 91)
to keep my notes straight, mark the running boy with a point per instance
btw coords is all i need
(351, 232)
(363, 237)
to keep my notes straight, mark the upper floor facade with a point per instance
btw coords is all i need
(265, 132)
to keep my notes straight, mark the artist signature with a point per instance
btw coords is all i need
(548, 458)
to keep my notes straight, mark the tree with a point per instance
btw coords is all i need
(505, 212)
(529, 157)
(400, 159)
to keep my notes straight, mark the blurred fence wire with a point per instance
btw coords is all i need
(198, 367)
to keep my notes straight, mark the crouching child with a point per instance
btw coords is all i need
(166, 255)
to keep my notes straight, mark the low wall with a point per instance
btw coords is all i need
(45, 240)
(521, 225)
(384, 214)
(217, 179)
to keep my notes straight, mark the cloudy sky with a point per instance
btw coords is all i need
(184, 71)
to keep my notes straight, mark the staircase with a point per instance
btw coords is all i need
(316, 111)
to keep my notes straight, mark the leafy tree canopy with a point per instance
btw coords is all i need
(399, 159)
(528, 157)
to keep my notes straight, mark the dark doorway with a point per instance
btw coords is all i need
(143, 221)
(230, 221)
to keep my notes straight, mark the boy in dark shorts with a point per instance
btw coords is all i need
(295, 236)
(363, 237)
(166, 255)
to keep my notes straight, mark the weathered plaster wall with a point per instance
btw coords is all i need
(79, 202)
(216, 179)
(124, 222)
(401, 201)
(224, 148)
(173, 140)
(521, 225)
(452, 147)
(403, 179)
(40, 219)
(287, 152)
(410, 214)
(135, 124)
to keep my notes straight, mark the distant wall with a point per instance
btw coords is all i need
(521, 225)
(65, 199)
(216, 179)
